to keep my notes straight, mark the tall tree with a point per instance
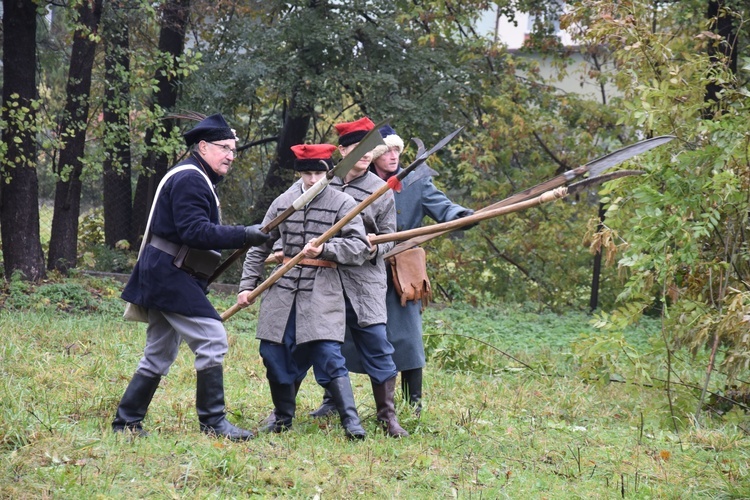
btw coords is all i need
(63, 251)
(116, 168)
(724, 50)
(19, 208)
(294, 130)
(174, 20)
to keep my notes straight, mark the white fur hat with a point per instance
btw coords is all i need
(391, 140)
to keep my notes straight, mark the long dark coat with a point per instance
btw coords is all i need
(186, 212)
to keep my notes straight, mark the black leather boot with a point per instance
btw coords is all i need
(209, 403)
(386, 408)
(267, 423)
(327, 408)
(411, 384)
(134, 404)
(343, 397)
(284, 398)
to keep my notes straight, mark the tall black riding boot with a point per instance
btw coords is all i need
(411, 384)
(284, 398)
(268, 422)
(327, 408)
(386, 407)
(134, 404)
(209, 403)
(343, 397)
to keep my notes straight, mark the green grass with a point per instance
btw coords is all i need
(492, 427)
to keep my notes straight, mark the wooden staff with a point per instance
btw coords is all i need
(594, 168)
(494, 211)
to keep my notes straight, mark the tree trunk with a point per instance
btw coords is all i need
(281, 172)
(19, 189)
(171, 41)
(597, 271)
(63, 247)
(723, 51)
(116, 169)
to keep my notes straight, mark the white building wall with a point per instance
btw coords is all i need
(577, 80)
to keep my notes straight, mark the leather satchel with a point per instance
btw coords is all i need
(199, 263)
(134, 312)
(410, 279)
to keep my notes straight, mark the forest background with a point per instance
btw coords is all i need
(90, 89)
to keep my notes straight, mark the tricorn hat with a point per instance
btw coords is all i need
(391, 140)
(211, 128)
(313, 157)
(353, 132)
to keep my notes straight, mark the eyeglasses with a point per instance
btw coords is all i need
(225, 149)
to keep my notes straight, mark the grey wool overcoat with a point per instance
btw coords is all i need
(317, 291)
(365, 285)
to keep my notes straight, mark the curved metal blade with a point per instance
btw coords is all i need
(590, 182)
(445, 140)
(598, 165)
(426, 154)
(420, 146)
(594, 168)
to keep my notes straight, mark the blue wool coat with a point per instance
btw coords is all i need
(186, 212)
(418, 198)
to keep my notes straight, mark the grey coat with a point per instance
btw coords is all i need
(365, 285)
(318, 291)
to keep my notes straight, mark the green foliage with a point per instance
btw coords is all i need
(423, 65)
(94, 254)
(62, 295)
(684, 221)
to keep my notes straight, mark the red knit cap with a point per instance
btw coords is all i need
(353, 132)
(313, 157)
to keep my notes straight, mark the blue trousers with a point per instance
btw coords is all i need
(289, 362)
(371, 342)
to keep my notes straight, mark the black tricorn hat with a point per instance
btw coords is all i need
(211, 128)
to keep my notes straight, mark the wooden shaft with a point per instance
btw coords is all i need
(471, 219)
(265, 285)
(553, 183)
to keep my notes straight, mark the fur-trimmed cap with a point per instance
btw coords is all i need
(353, 132)
(313, 157)
(391, 140)
(211, 128)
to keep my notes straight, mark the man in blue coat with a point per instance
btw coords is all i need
(170, 281)
(418, 198)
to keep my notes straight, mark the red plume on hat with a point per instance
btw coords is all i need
(313, 157)
(353, 132)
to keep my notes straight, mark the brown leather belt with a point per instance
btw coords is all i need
(313, 262)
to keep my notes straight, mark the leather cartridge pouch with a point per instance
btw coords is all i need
(410, 279)
(199, 263)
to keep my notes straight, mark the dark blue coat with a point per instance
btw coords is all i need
(186, 213)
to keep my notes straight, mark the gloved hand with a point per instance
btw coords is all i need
(467, 213)
(254, 236)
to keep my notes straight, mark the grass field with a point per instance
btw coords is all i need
(512, 409)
